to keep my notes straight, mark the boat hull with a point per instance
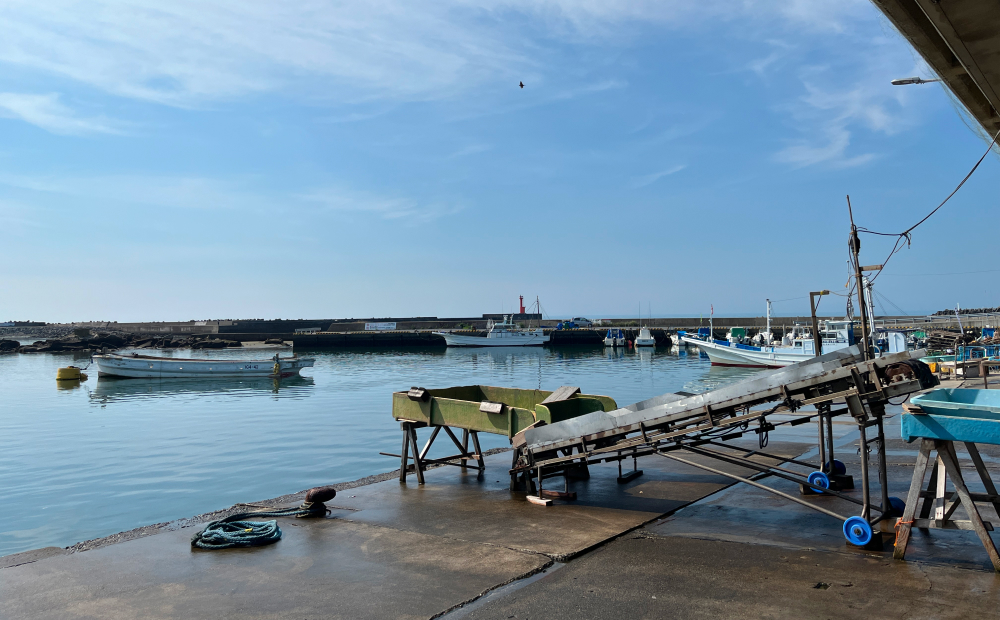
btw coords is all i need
(525, 339)
(147, 367)
(766, 357)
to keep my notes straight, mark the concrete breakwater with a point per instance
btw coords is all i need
(330, 334)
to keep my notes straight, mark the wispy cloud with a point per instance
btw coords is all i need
(656, 176)
(173, 192)
(472, 149)
(336, 198)
(191, 53)
(187, 193)
(847, 96)
(47, 112)
(18, 219)
(830, 147)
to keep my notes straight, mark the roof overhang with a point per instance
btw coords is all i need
(960, 40)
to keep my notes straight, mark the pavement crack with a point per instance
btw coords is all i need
(467, 606)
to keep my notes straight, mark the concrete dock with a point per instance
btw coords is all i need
(673, 542)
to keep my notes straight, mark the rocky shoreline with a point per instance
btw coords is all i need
(84, 340)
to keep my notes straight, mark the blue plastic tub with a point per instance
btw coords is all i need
(955, 415)
(955, 401)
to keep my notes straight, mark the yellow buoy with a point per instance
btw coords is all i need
(70, 373)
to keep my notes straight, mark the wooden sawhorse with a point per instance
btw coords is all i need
(942, 502)
(420, 460)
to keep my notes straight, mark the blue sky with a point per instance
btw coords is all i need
(334, 159)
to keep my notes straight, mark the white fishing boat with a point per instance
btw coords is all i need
(147, 366)
(503, 334)
(834, 335)
(645, 338)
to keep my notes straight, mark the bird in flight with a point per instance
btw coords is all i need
(522, 84)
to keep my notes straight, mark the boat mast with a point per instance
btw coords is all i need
(871, 311)
(768, 332)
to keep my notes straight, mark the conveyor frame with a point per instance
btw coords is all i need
(684, 422)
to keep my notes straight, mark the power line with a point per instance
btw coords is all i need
(953, 273)
(905, 235)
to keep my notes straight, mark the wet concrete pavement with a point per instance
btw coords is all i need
(388, 550)
(644, 576)
(675, 542)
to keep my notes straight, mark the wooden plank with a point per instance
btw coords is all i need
(534, 499)
(479, 451)
(427, 446)
(563, 393)
(940, 498)
(418, 466)
(559, 494)
(951, 524)
(403, 457)
(490, 407)
(905, 523)
(976, 497)
(630, 476)
(984, 475)
(419, 394)
(950, 460)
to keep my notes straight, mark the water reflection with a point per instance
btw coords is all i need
(719, 376)
(69, 385)
(177, 447)
(110, 389)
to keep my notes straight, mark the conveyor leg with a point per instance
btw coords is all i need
(823, 459)
(857, 410)
(883, 476)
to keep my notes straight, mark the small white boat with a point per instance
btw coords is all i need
(615, 338)
(504, 334)
(645, 338)
(147, 366)
(274, 345)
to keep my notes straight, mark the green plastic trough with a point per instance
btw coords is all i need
(460, 407)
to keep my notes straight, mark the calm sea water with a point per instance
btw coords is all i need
(111, 455)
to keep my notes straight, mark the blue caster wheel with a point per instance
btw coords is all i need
(819, 479)
(897, 506)
(836, 468)
(857, 531)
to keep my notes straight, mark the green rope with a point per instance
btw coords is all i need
(236, 531)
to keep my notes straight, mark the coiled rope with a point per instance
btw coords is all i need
(237, 531)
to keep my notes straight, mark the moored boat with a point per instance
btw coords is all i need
(504, 334)
(147, 366)
(645, 338)
(615, 338)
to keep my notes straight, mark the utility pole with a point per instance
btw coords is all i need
(854, 243)
(817, 339)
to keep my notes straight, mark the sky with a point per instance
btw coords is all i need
(323, 159)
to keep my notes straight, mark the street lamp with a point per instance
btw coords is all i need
(913, 80)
